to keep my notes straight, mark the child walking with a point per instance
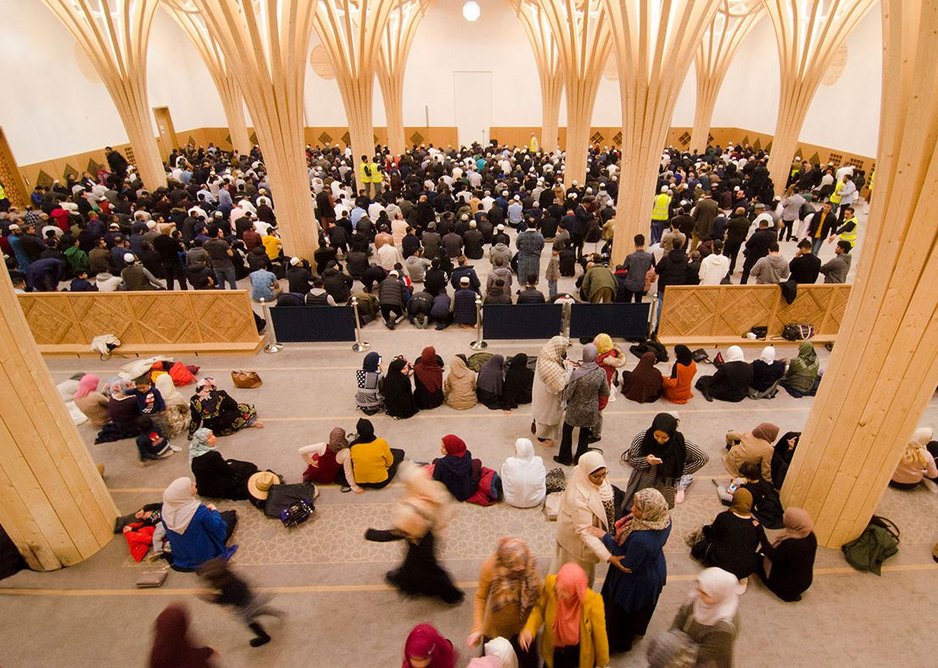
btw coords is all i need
(232, 590)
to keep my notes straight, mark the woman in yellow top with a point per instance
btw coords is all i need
(573, 618)
(509, 587)
(374, 462)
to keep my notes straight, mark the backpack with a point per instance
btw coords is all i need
(296, 514)
(281, 500)
(878, 542)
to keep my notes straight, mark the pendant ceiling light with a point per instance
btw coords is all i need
(471, 11)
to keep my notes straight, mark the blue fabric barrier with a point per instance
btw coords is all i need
(521, 321)
(626, 321)
(299, 324)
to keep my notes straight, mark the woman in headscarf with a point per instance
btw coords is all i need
(550, 379)
(755, 446)
(420, 517)
(766, 504)
(369, 381)
(173, 647)
(519, 380)
(456, 468)
(630, 598)
(643, 383)
(509, 587)
(330, 462)
(524, 477)
(491, 382)
(711, 617)
(610, 359)
(586, 387)
(766, 374)
(731, 541)
(731, 381)
(586, 504)
(428, 379)
(215, 476)
(374, 462)
(91, 402)
(661, 458)
(784, 453)
(428, 648)
(196, 532)
(677, 386)
(176, 417)
(801, 378)
(460, 386)
(398, 391)
(788, 565)
(573, 622)
(123, 412)
(917, 462)
(214, 409)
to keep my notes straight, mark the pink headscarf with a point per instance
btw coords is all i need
(424, 642)
(87, 385)
(571, 592)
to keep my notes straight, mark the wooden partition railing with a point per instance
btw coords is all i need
(722, 314)
(150, 322)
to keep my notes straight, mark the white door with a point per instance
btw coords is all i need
(472, 97)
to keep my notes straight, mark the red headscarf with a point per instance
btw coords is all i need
(571, 592)
(428, 370)
(454, 445)
(424, 642)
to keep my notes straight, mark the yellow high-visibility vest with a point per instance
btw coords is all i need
(660, 210)
(850, 236)
(836, 196)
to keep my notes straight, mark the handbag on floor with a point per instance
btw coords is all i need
(246, 380)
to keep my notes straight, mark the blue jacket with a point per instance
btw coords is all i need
(464, 307)
(644, 556)
(203, 539)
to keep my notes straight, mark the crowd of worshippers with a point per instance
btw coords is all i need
(419, 215)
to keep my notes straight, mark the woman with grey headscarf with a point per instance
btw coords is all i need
(587, 385)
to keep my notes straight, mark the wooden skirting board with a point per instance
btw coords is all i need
(722, 314)
(146, 322)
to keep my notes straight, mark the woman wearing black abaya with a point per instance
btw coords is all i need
(519, 379)
(662, 459)
(398, 392)
(491, 382)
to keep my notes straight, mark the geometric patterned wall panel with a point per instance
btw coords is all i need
(166, 319)
(732, 310)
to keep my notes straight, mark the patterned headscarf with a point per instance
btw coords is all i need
(550, 368)
(515, 578)
(198, 444)
(654, 514)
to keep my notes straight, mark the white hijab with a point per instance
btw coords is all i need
(164, 383)
(768, 355)
(724, 588)
(581, 484)
(523, 476)
(734, 354)
(502, 649)
(179, 505)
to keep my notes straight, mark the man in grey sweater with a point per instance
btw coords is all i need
(836, 270)
(772, 268)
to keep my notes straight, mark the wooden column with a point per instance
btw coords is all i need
(53, 502)
(549, 71)
(392, 63)
(581, 34)
(265, 44)
(808, 35)
(351, 32)
(186, 14)
(654, 44)
(114, 34)
(884, 367)
(727, 30)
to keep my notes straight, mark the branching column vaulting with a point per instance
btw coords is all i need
(54, 504)
(581, 35)
(655, 43)
(808, 36)
(392, 63)
(537, 28)
(727, 30)
(187, 15)
(351, 32)
(884, 368)
(114, 34)
(265, 44)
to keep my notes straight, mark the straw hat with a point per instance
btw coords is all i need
(260, 483)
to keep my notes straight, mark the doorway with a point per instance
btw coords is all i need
(167, 133)
(472, 100)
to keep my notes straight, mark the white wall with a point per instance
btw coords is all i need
(53, 110)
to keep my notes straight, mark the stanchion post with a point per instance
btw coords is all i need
(359, 346)
(272, 345)
(567, 308)
(478, 344)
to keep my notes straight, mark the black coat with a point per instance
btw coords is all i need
(673, 269)
(805, 268)
(792, 566)
(731, 382)
(758, 244)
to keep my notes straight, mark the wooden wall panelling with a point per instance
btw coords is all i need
(11, 176)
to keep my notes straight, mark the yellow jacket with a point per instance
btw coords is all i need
(594, 645)
(272, 246)
(371, 461)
